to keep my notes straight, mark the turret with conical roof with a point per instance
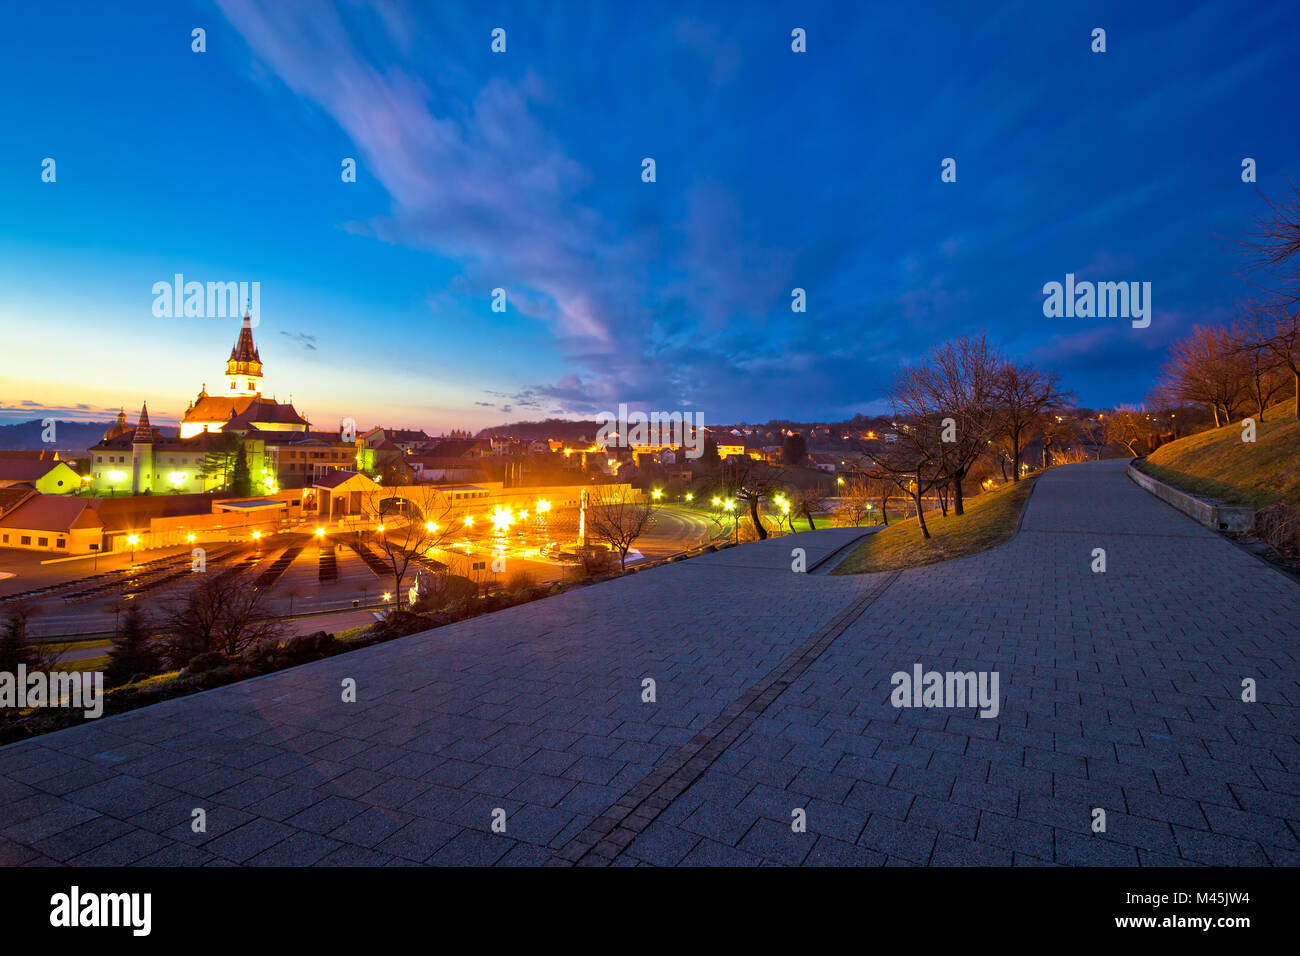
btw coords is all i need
(142, 457)
(144, 434)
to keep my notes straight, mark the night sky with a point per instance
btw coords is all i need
(522, 170)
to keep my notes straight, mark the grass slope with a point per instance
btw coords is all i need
(1218, 464)
(989, 520)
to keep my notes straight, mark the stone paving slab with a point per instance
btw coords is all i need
(535, 710)
(1118, 690)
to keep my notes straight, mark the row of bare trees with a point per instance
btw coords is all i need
(1239, 370)
(954, 406)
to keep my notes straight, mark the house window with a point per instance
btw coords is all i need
(6, 540)
(26, 539)
(60, 543)
(42, 542)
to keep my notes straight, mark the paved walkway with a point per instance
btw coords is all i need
(1119, 691)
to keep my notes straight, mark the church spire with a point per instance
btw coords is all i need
(244, 367)
(143, 430)
(244, 350)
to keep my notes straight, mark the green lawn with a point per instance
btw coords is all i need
(1218, 464)
(989, 520)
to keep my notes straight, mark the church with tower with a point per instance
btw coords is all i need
(241, 403)
(141, 460)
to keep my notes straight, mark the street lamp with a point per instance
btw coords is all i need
(133, 540)
(502, 518)
(657, 494)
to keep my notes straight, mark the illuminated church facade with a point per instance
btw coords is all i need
(141, 460)
(241, 404)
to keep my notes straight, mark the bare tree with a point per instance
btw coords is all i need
(808, 502)
(221, 613)
(855, 500)
(915, 463)
(751, 482)
(965, 390)
(882, 491)
(1056, 433)
(1273, 265)
(1026, 398)
(950, 413)
(1127, 428)
(618, 518)
(1273, 327)
(404, 522)
(1262, 366)
(1205, 368)
(1273, 246)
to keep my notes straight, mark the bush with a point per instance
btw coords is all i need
(520, 580)
(443, 591)
(1278, 526)
(399, 623)
(306, 647)
(596, 560)
(202, 663)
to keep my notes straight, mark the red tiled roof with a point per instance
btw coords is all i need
(334, 479)
(57, 513)
(266, 412)
(217, 408)
(43, 455)
(26, 469)
(13, 496)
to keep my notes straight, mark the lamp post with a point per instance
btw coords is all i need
(582, 519)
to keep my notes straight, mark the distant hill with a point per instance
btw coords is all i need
(71, 438)
(539, 431)
(573, 431)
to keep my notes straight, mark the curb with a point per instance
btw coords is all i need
(1207, 512)
(852, 542)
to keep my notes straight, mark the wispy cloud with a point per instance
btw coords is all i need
(308, 342)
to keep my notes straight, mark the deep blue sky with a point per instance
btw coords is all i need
(522, 170)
